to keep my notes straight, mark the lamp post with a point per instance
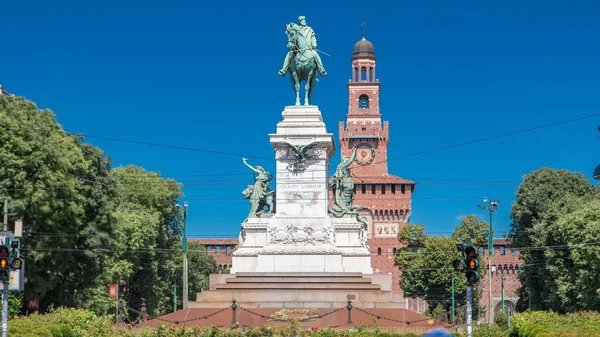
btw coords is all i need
(597, 170)
(490, 206)
(184, 249)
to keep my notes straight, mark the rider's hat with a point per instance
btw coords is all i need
(301, 17)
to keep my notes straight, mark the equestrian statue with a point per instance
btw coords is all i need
(302, 60)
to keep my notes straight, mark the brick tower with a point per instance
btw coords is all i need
(386, 198)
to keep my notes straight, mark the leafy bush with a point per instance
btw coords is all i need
(551, 324)
(501, 320)
(64, 323)
(488, 331)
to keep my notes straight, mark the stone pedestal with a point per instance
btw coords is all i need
(301, 236)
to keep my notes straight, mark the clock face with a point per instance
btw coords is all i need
(365, 154)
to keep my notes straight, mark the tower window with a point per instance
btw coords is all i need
(393, 189)
(363, 74)
(363, 102)
(382, 188)
(402, 188)
(379, 251)
(364, 189)
(373, 189)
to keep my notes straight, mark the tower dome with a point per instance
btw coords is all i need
(363, 49)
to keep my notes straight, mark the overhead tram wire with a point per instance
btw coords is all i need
(387, 160)
(512, 133)
(545, 126)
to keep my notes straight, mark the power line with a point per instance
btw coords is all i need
(387, 160)
(489, 138)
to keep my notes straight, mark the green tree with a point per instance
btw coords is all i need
(543, 198)
(200, 266)
(425, 263)
(147, 238)
(474, 228)
(59, 187)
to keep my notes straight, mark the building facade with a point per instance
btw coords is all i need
(221, 250)
(506, 265)
(386, 198)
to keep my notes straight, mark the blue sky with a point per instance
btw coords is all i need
(204, 76)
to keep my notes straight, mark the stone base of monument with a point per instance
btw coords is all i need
(299, 290)
(301, 236)
(309, 244)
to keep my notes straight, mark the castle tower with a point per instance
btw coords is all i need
(386, 198)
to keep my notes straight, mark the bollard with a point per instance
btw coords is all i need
(233, 311)
(349, 307)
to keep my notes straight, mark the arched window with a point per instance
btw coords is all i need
(363, 102)
(395, 250)
(379, 251)
(363, 74)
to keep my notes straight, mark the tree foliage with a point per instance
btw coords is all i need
(87, 225)
(425, 263)
(555, 218)
(61, 190)
(471, 227)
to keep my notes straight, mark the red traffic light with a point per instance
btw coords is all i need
(471, 252)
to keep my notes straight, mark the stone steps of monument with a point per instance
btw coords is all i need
(299, 305)
(297, 298)
(330, 280)
(298, 286)
(295, 274)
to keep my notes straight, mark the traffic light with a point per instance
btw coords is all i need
(459, 264)
(472, 264)
(4, 264)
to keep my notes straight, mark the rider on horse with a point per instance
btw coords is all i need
(309, 34)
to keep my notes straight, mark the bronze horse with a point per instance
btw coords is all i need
(303, 66)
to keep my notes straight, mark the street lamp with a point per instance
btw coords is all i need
(597, 170)
(184, 249)
(490, 206)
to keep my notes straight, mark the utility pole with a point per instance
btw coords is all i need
(184, 249)
(5, 215)
(469, 310)
(5, 282)
(469, 263)
(597, 170)
(10, 259)
(117, 311)
(174, 297)
(453, 303)
(490, 207)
